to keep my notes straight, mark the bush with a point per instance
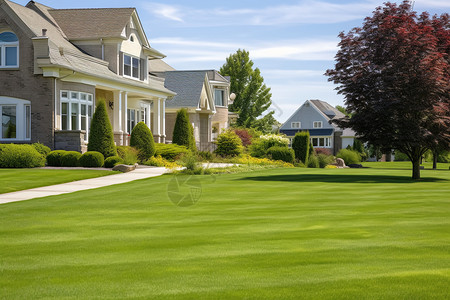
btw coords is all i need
(54, 158)
(205, 155)
(281, 153)
(111, 161)
(259, 147)
(301, 144)
(142, 140)
(20, 156)
(400, 156)
(244, 135)
(325, 151)
(128, 154)
(42, 149)
(313, 162)
(228, 144)
(92, 159)
(358, 146)
(170, 151)
(349, 156)
(183, 132)
(324, 160)
(158, 161)
(70, 159)
(101, 138)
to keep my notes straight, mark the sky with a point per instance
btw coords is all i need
(292, 42)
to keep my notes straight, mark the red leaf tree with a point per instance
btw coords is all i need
(394, 75)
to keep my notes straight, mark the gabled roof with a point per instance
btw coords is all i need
(92, 23)
(329, 111)
(187, 84)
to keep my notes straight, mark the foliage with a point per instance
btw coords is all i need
(142, 140)
(358, 146)
(266, 123)
(301, 145)
(20, 156)
(313, 161)
(253, 97)
(101, 137)
(250, 160)
(349, 156)
(183, 132)
(92, 159)
(170, 151)
(112, 161)
(54, 158)
(330, 167)
(128, 154)
(325, 151)
(41, 148)
(394, 74)
(228, 144)
(281, 153)
(245, 136)
(205, 155)
(324, 160)
(259, 147)
(70, 159)
(399, 156)
(159, 161)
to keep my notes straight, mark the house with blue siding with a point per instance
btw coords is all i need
(315, 116)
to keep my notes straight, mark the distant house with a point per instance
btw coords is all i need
(315, 116)
(55, 64)
(205, 94)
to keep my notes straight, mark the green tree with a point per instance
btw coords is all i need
(142, 139)
(300, 144)
(253, 97)
(183, 132)
(101, 138)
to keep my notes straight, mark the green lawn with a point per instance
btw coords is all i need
(21, 179)
(367, 233)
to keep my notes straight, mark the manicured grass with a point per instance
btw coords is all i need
(21, 179)
(367, 233)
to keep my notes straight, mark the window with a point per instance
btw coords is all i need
(135, 116)
(9, 50)
(131, 117)
(131, 66)
(15, 119)
(295, 125)
(321, 142)
(76, 111)
(317, 124)
(219, 96)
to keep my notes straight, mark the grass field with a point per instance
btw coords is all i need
(367, 233)
(21, 179)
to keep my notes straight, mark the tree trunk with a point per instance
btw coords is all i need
(416, 168)
(435, 158)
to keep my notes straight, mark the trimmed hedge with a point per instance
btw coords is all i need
(281, 153)
(92, 159)
(228, 144)
(183, 132)
(349, 156)
(111, 161)
(20, 156)
(142, 140)
(301, 144)
(42, 149)
(101, 137)
(170, 151)
(70, 159)
(54, 158)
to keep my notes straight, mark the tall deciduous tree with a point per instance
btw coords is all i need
(394, 74)
(253, 97)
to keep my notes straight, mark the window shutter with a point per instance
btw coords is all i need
(120, 63)
(142, 69)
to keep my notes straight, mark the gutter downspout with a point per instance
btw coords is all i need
(103, 48)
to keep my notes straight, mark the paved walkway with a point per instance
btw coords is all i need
(86, 184)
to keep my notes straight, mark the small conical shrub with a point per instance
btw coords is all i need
(101, 138)
(183, 132)
(142, 140)
(300, 144)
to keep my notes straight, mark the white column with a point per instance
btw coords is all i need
(157, 121)
(124, 111)
(120, 112)
(163, 120)
(116, 117)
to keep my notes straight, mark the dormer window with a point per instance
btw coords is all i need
(9, 50)
(131, 38)
(131, 66)
(317, 124)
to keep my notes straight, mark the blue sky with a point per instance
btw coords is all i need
(292, 42)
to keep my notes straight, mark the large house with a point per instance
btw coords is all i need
(315, 116)
(55, 64)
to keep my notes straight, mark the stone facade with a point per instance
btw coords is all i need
(70, 140)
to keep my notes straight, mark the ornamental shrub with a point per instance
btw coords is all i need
(313, 162)
(301, 144)
(244, 135)
(324, 160)
(42, 149)
(142, 140)
(183, 132)
(20, 156)
(111, 161)
(70, 159)
(349, 156)
(92, 159)
(170, 151)
(281, 153)
(259, 147)
(128, 154)
(54, 158)
(228, 144)
(101, 138)
(399, 156)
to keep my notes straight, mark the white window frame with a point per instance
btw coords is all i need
(76, 99)
(223, 97)
(317, 124)
(3, 46)
(296, 125)
(23, 118)
(131, 67)
(316, 141)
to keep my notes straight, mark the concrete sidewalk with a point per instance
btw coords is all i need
(140, 173)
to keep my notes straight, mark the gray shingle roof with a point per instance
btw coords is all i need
(187, 84)
(329, 111)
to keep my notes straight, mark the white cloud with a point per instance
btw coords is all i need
(431, 3)
(164, 11)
